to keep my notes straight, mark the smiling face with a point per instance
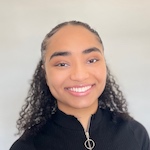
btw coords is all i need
(75, 68)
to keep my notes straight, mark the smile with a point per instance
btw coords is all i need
(79, 89)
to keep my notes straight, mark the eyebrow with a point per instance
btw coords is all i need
(92, 49)
(66, 53)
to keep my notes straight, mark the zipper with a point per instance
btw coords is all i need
(89, 143)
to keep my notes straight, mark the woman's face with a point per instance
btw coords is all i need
(75, 68)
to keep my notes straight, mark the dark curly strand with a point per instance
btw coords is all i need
(40, 104)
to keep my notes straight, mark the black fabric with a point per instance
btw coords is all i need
(64, 132)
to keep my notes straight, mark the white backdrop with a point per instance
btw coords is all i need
(124, 26)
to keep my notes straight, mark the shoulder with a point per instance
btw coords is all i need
(128, 130)
(140, 134)
(23, 144)
(27, 141)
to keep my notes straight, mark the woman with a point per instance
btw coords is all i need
(73, 102)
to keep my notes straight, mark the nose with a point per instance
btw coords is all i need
(79, 73)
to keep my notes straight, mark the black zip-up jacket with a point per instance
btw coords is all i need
(64, 132)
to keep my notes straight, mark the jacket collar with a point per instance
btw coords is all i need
(71, 122)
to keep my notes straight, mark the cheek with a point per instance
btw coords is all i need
(54, 79)
(101, 77)
(101, 73)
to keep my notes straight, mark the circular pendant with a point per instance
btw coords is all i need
(89, 144)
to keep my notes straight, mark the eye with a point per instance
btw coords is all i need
(62, 65)
(92, 60)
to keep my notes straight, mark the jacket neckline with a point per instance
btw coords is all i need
(72, 123)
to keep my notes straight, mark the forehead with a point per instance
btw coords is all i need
(73, 36)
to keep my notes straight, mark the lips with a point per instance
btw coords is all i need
(79, 89)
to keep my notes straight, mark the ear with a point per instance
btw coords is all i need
(43, 67)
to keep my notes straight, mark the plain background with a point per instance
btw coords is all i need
(124, 26)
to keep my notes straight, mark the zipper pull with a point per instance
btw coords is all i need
(89, 143)
(87, 135)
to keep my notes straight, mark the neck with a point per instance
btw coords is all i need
(83, 115)
(84, 120)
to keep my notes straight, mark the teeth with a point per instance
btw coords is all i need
(81, 89)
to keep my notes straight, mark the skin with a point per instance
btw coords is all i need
(75, 71)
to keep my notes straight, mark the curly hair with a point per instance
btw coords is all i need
(40, 104)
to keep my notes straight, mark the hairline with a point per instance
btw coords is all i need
(59, 27)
